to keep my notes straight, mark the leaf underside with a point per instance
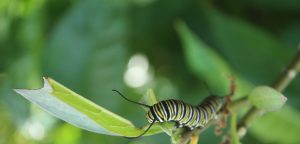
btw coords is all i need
(80, 112)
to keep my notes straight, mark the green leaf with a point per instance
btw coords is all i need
(203, 60)
(150, 97)
(247, 47)
(208, 64)
(266, 98)
(280, 127)
(76, 110)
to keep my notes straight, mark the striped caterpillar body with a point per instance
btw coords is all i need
(185, 114)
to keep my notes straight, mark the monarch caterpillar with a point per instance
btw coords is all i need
(184, 114)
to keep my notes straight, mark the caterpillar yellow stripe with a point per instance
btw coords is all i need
(185, 114)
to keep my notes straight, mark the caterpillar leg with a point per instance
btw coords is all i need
(194, 139)
(192, 128)
(176, 125)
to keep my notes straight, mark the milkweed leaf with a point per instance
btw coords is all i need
(78, 111)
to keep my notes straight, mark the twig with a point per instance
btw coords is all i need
(237, 104)
(280, 84)
(289, 74)
(183, 136)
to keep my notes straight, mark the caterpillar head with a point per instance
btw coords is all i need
(150, 116)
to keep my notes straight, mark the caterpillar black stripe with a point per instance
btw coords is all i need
(184, 114)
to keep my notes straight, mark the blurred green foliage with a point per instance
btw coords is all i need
(86, 46)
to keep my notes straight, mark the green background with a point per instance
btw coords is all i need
(86, 45)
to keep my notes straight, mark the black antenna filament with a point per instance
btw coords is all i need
(147, 106)
(143, 132)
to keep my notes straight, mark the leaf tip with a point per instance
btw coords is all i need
(283, 98)
(46, 86)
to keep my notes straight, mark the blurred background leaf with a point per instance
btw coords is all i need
(204, 62)
(284, 120)
(89, 46)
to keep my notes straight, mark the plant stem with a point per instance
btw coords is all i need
(288, 74)
(280, 84)
(237, 104)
